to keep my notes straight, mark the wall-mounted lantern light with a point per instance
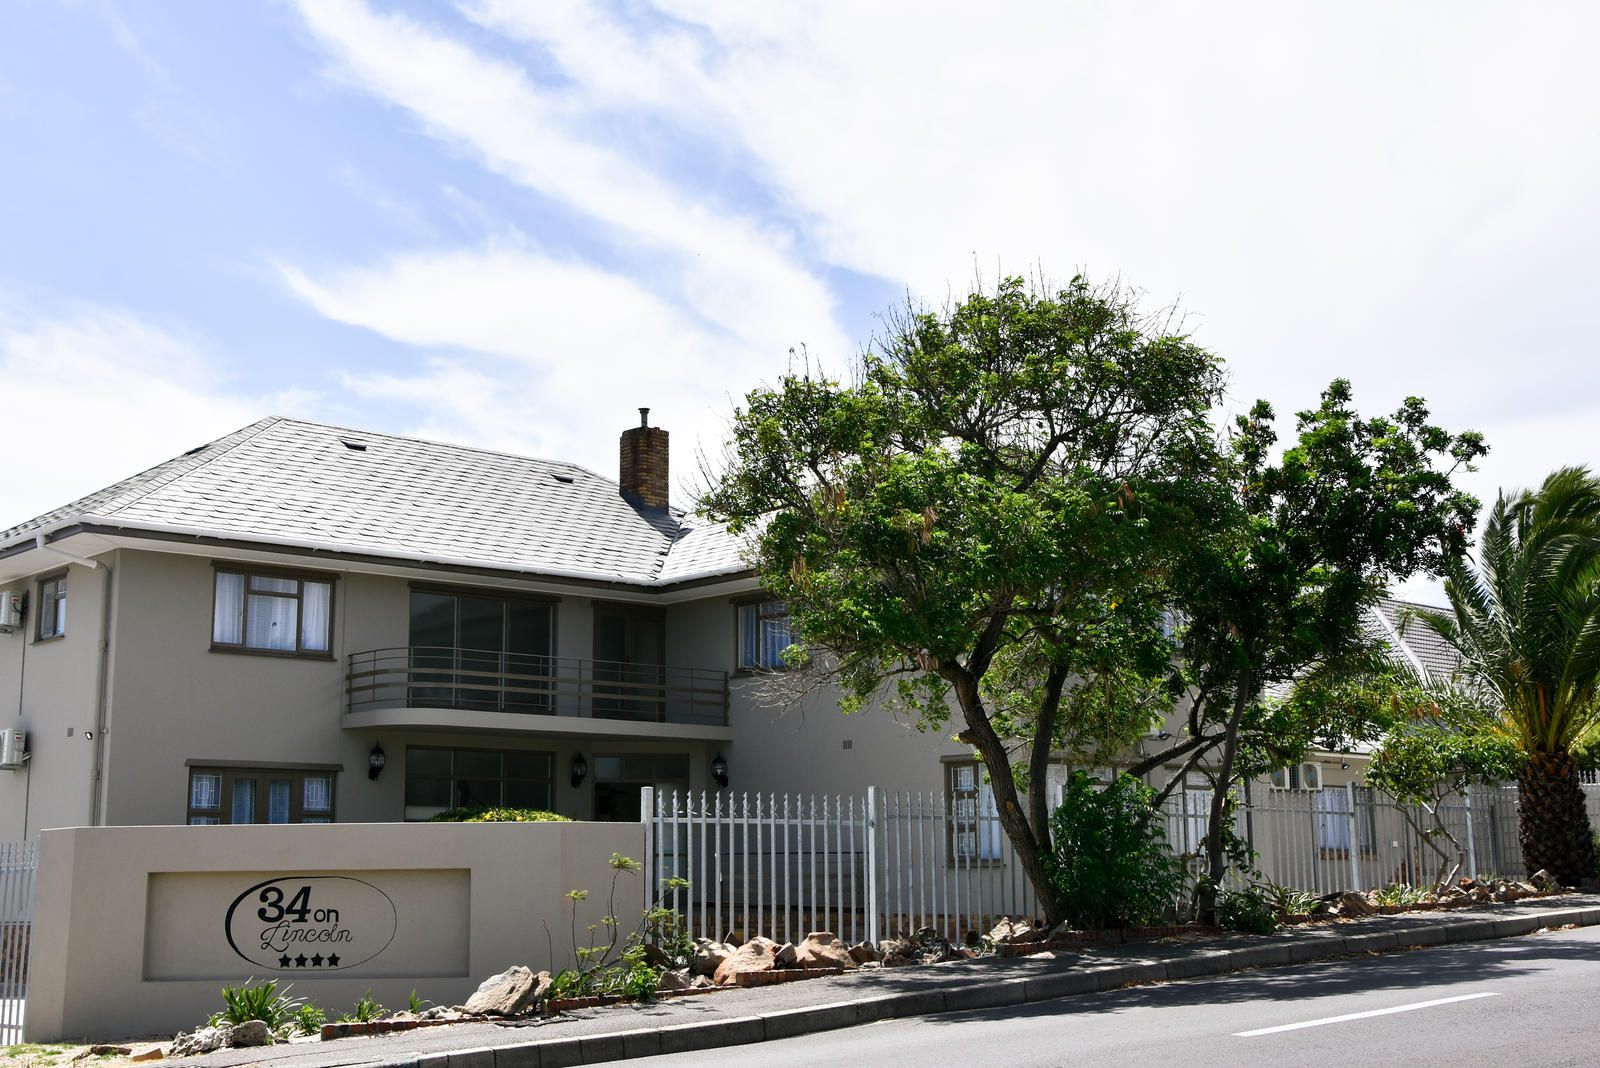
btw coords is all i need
(375, 761)
(719, 771)
(580, 769)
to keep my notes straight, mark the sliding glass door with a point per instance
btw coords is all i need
(481, 652)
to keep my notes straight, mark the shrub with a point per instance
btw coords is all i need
(1401, 894)
(366, 1010)
(241, 1004)
(1246, 910)
(498, 815)
(308, 1019)
(1287, 901)
(1109, 860)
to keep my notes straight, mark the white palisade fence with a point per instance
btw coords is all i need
(862, 866)
(19, 862)
(875, 864)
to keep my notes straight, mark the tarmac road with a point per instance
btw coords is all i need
(1524, 1002)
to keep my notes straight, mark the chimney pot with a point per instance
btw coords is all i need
(644, 417)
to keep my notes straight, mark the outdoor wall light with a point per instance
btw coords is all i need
(375, 761)
(1164, 735)
(719, 771)
(1344, 765)
(580, 769)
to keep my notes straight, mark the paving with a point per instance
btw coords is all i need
(742, 1016)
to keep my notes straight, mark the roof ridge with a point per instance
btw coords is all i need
(443, 444)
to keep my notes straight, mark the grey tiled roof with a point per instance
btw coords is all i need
(297, 483)
(1421, 645)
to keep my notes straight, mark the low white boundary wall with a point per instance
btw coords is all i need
(137, 928)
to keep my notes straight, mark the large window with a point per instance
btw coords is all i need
(481, 652)
(440, 779)
(260, 795)
(272, 613)
(763, 635)
(53, 607)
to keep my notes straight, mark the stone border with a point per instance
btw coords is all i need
(962, 997)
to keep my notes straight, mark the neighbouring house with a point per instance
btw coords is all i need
(299, 623)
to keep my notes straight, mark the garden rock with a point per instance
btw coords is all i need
(708, 955)
(441, 1012)
(154, 1053)
(513, 992)
(1354, 904)
(786, 956)
(250, 1033)
(701, 982)
(103, 1051)
(756, 955)
(201, 1040)
(864, 953)
(1543, 880)
(822, 949)
(675, 980)
(1007, 932)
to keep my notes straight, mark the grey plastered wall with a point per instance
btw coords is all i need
(91, 964)
(49, 688)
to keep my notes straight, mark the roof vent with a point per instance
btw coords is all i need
(353, 445)
(197, 448)
(567, 479)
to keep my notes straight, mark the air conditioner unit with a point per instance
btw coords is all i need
(13, 749)
(10, 612)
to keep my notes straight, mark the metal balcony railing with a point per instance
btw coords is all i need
(515, 683)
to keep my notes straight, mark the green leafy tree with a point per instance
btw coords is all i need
(1526, 623)
(969, 522)
(1291, 553)
(1423, 763)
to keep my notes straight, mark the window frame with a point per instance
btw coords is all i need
(759, 604)
(58, 579)
(982, 854)
(229, 774)
(300, 578)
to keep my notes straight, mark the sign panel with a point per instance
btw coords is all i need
(228, 926)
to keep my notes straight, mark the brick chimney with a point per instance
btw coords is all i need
(643, 463)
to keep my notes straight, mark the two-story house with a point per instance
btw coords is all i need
(300, 623)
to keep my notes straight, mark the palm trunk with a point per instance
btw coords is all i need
(1552, 823)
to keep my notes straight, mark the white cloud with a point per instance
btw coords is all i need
(737, 273)
(533, 354)
(95, 394)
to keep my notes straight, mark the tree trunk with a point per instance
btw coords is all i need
(1552, 824)
(1027, 845)
(1216, 855)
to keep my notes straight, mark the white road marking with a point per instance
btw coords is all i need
(1363, 1015)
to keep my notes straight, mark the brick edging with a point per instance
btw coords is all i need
(1003, 993)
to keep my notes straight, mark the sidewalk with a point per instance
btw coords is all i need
(742, 1016)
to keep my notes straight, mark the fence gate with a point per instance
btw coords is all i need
(19, 863)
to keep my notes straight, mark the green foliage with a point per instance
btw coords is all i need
(366, 1010)
(241, 1004)
(1402, 895)
(415, 1005)
(1420, 762)
(1286, 901)
(308, 1019)
(613, 964)
(498, 815)
(1110, 864)
(1247, 910)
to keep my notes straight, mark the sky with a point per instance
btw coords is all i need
(512, 224)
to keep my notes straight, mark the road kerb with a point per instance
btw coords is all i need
(789, 1023)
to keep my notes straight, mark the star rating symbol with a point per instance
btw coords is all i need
(333, 960)
(283, 961)
(316, 962)
(300, 961)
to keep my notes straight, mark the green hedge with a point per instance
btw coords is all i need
(498, 815)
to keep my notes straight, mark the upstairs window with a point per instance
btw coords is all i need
(272, 613)
(53, 607)
(764, 634)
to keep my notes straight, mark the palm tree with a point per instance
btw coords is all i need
(1526, 623)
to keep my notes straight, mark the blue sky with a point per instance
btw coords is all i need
(510, 224)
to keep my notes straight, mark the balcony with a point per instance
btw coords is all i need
(439, 688)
